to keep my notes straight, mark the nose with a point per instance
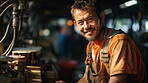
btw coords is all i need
(86, 25)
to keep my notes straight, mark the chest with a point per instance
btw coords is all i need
(96, 52)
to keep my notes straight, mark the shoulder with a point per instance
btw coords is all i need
(121, 41)
(121, 37)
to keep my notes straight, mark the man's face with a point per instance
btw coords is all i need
(87, 23)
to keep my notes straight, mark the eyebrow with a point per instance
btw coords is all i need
(86, 18)
(79, 21)
(91, 15)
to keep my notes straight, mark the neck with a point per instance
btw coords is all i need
(99, 38)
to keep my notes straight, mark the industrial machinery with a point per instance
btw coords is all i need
(23, 65)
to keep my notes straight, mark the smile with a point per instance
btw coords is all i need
(89, 31)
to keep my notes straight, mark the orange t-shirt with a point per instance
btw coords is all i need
(125, 57)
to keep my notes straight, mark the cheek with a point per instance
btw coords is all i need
(97, 28)
(96, 24)
(80, 29)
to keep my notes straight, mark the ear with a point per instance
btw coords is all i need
(75, 23)
(102, 16)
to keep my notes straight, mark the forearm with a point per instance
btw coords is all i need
(84, 78)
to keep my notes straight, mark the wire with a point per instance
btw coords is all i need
(3, 3)
(11, 45)
(14, 28)
(5, 9)
(6, 31)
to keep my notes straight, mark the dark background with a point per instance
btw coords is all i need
(51, 16)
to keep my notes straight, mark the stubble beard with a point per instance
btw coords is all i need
(93, 38)
(90, 39)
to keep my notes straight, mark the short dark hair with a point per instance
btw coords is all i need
(80, 4)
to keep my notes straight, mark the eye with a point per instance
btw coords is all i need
(80, 22)
(90, 19)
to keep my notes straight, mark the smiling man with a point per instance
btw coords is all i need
(112, 56)
(87, 23)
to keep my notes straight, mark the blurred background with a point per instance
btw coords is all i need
(47, 25)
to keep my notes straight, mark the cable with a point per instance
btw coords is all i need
(5, 9)
(11, 45)
(3, 3)
(14, 25)
(6, 31)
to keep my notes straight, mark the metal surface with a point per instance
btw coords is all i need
(4, 58)
(31, 54)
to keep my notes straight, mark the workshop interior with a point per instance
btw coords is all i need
(39, 42)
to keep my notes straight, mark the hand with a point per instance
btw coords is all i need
(120, 78)
(60, 81)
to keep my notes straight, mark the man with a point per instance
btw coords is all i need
(125, 64)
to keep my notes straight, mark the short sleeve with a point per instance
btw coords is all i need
(123, 58)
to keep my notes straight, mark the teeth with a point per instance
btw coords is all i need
(90, 31)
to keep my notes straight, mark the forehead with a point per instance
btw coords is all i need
(87, 9)
(79, 12)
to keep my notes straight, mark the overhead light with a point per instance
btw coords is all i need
(129, 3)
(107, 11)
(122, 6)
(69, 22)
(44, 32)
(61, 21)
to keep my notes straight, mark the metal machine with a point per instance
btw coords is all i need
(22, 64)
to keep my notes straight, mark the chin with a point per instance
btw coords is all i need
(91, 39)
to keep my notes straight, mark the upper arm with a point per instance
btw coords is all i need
(123, 58)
